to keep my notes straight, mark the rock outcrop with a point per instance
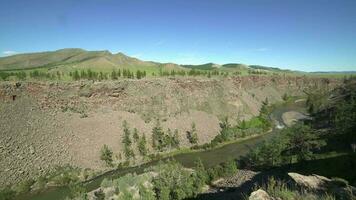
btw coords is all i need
(259, 195)
(336, 186)
(313, 182)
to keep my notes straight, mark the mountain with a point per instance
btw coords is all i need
(79, 59)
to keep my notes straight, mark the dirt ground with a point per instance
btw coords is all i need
(44, 124)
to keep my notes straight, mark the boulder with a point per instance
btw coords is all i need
(336, 186)
(259, 195)
(312, 182)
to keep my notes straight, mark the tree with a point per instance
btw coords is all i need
(106, 155)
(113, 75)
(285, 97)
(301, 141)
(135, 135)
(127, 141)
(201, 173)
(264, 115)
(139, 74)
(76, 75)
(175, 139)
(158, 140)
(175, 182)
(192, 135)
(142, 145)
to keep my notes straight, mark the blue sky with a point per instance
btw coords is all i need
(309, 35)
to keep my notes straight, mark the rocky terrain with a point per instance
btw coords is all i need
(44, 124)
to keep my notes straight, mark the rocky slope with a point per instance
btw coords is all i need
(44, 124)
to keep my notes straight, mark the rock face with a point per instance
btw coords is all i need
(259, 195)
(45, 124)
(313, 182)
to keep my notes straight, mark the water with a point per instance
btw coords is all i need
(209, 158)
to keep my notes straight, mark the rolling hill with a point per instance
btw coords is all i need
(70, 59)
(67, 59)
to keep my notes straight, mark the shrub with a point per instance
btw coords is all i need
(7, 194)
(106, 155)
(192, 135)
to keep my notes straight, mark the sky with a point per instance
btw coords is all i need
(307, 35)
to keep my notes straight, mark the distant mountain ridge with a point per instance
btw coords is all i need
(75, 58)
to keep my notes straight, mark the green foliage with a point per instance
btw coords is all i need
(297, 141)
(226, 169)
(24, 186)
(135, 135)
(7, 75)
(64, 175)
(106, 155)
(192, 135)
(175, 182)
(264, 115)
(142, 145)
(175, 139)
(301, 141)
(77, 192)
(201, 172)
(158, 139)
(128, 186)
(344, 117)
(285, 97)
(7, 194)
(162, 141)
(317, 97)
(255, 125)
(126, 140)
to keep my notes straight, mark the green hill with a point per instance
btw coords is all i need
(69, 59)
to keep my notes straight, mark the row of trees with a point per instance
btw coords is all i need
(171, 182)
(114, 75)
(141, 142)
(129, 138)
(164, 141)
(301, 142)
(294, 144)
(257, 72)
(175, 182)
(161, 141)
(255, 125)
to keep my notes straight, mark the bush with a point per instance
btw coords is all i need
(128, 186)
(7, 194)
(192, 135)
(106, 155)
(175, 182)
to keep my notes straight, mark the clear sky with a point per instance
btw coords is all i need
(309, 35)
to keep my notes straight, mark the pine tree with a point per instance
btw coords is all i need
(175, 139)
(127, 142)
(106, 155)
(158, 141)
(192, 135)
(142, 145)
(76, 75)
(135, 135)
(113, 75)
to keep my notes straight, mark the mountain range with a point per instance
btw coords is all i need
(74, 58)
